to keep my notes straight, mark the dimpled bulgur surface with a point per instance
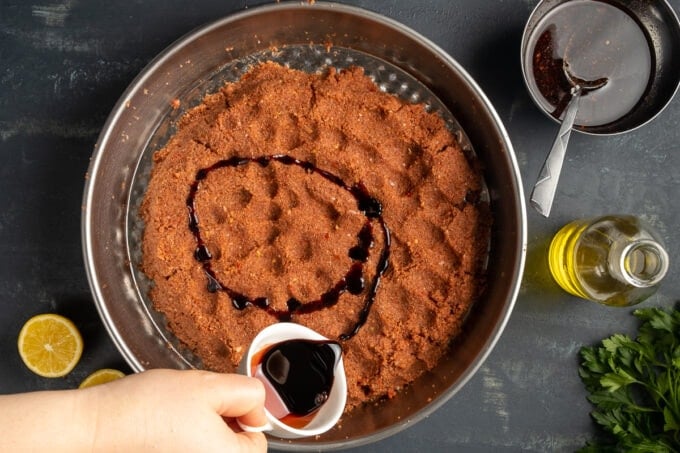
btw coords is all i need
(280, 232)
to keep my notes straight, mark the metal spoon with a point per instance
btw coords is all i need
(544, 190)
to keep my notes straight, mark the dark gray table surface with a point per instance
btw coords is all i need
(63, 65)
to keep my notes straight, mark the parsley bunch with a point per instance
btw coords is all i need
(635, 385)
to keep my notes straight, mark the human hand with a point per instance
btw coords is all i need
(171, 410)
(157, 410)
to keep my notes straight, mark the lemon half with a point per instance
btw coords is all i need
(101, 377)
(50, 345)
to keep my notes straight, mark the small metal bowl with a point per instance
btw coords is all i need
(661, 27)
(193, 65)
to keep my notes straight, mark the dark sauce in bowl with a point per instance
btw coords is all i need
(302, 372)
(596, 40)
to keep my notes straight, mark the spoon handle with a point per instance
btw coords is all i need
(544, 190)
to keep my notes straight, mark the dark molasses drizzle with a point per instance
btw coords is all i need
(353, 281)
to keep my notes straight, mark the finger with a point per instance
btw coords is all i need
(237, 396)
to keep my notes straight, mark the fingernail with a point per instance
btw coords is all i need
(255, 429)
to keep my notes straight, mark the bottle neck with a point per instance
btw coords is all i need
(641, 263)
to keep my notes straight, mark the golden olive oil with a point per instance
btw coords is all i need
(616, 260)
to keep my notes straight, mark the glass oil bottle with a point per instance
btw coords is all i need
(616, 260)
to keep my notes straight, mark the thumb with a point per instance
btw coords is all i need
(237, 396)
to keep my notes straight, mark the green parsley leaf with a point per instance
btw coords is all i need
(635, 385)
